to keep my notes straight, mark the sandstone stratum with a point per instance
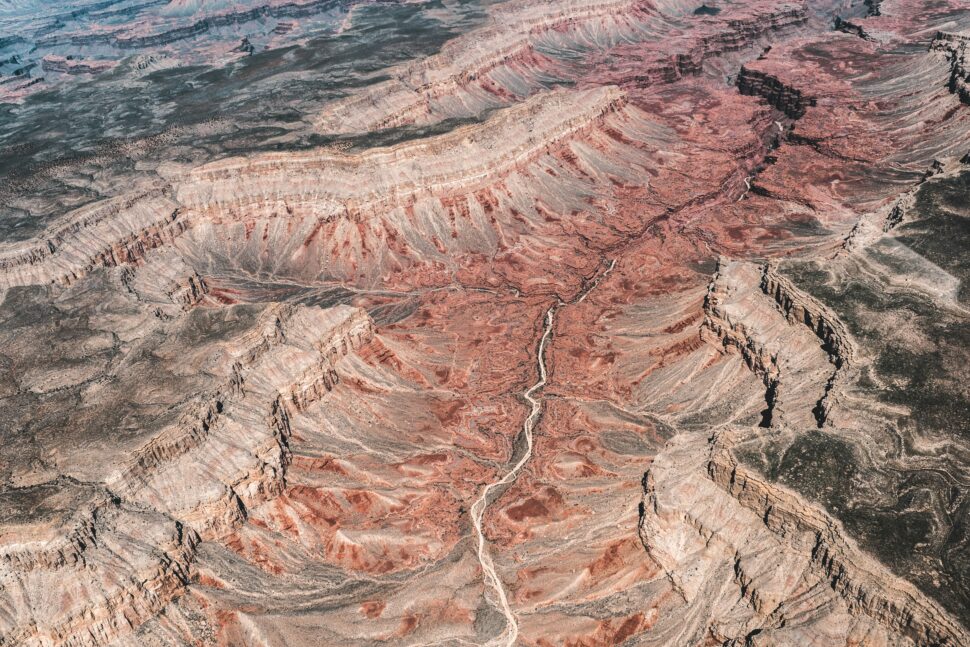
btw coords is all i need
(509, 323)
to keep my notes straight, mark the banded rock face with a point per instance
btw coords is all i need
(580, 323)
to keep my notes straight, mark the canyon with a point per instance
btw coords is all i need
(569, 322)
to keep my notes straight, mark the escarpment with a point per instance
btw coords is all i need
(871, 227)
(799, 307)
(738, 34)
(741, 313)
(67, 65)
(104, 234)
(850, 27)
(733, 333)
(474, 190)
(469, 71)
(749, 558)
(461, 160)
(164, 277)
(189, 291)
(227, 452)
(582, 322)
(55, 549)
(803, 482)
(533, 45)
(865, 585)
(193, 427)
(120, 39)
(92, 577)
(954, 49)
(449, 170)
(789, 100)
(734, 31)
(285, 363)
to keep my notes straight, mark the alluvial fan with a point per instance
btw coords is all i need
(555, 322)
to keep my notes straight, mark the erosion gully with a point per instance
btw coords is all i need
(492, 580)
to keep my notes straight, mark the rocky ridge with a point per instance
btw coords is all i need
(954, 48)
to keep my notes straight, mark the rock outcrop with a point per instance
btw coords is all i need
(850, 27)
(70, 65)
(94, 574)
(800, 308)
(741, 316)
(765, 567)
(954, 49)
(248, 415)
(245, 422)
(789, 100)
(864, 585)
(100, 235)
(449, 83)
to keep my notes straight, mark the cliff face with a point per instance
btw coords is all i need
(528, 49)
(724, 537)
(192, 479)
(954, 49)
(784, 97)
(778, 474)
(497, 65)
(95, 570)
(517, 323)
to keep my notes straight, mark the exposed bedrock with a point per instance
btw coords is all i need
(83, 563)
(471, 192)
(757, 565)
(790, 100)
(871, 227)
(237, 209)
(954, 48)
(851, 27)
(252, 388)
(781, 333)
(286, 363)
(503, 61)
(528, 47)
(456, 161)
(800, 308)
(871, 418)
(69, 65)
(735, 30)
(104, 234)
(899, 417)
(189, 290)
(741, 311)
(864, 584)
(731, 333)
(163, 277)
(123, 41)
(78, 568)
